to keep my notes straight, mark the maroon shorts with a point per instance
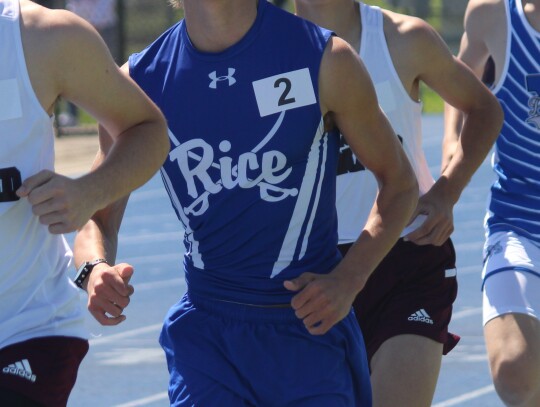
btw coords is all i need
(410, 292)
(42, 370)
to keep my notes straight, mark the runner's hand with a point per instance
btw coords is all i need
(59, 202)
(322, 300)
(109, 292)
(439, 223)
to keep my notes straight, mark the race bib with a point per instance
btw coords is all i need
(285, 91)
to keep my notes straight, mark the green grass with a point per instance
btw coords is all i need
(432, 102)
(85, 118)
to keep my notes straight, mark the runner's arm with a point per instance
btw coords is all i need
(482, 120)
(80, 68)
(474, 53)
(348, 99)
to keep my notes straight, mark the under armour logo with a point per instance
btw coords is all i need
(216, 79)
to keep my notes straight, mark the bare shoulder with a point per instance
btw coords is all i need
(411, 35)
(416, 48)
(59, 48)
(340, 67)
(485, 15)
(56, 31)
(338, 52)
(485, 6)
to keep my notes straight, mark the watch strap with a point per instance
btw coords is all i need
(84, 271)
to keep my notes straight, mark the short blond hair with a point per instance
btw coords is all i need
(175, 3)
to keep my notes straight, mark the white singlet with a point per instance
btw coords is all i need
(36, 296)
(356, 187)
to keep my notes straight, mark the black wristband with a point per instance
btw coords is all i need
(84, 271)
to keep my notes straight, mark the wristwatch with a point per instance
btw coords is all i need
(84, 271)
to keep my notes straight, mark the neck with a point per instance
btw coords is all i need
(215, 25)
(340, 16)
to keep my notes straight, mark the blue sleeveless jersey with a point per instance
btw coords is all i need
(251, 172)
(515, 195)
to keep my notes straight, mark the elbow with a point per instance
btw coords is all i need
(165, 146)
(160, 140)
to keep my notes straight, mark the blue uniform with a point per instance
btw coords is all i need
(251, 175)
(515, 196)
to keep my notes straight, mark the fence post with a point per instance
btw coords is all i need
(121, 31)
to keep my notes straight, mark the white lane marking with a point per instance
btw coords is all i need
(145, 401)
(468, 270)
(144, 238)
(123, 335)
(153, 285)
(466, 397)
(466, 313)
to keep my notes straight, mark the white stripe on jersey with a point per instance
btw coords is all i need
(300, 213)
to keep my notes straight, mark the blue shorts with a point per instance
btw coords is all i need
(227, 354)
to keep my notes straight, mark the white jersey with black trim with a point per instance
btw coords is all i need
(357, 187)
(36, 296)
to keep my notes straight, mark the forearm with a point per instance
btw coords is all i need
(98, 238)
(390, 214)
(479, 131)
(108, 285)
(133, 158)
(453, 121)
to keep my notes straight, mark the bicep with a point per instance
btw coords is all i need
(92, 80)
(456, 83)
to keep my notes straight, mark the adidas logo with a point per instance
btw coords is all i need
(421, 316)
(21, 369)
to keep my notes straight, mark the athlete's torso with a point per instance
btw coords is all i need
(251, 172)
(357, 187)
(36, 297)
(515, 195)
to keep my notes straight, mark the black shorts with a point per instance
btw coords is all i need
(42, 371)
(410, 292)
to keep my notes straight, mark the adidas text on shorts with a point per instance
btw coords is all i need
(43, 370)
(410, 292)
